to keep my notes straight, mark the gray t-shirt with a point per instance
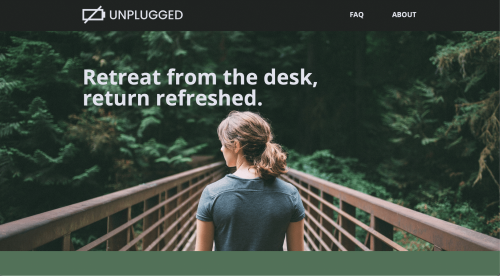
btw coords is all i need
(250, 214)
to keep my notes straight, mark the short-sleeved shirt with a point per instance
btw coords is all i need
(250, 214)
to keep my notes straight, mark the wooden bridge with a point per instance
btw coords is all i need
(167, 219)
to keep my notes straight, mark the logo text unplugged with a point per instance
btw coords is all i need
(99, 14)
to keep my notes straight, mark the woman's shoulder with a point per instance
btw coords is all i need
(219, 186)
(284, 186)
(230, 182)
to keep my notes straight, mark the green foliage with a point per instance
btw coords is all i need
(340, 170)
(52, 147)
(411, 242)
(462, 214)
(452, 116)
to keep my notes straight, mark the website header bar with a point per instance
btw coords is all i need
(389, 15)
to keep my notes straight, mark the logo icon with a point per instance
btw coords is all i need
(93, 15)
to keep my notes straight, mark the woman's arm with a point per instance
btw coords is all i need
(295, 236)
(204, 235)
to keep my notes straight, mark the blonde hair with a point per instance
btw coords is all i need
(255, 137)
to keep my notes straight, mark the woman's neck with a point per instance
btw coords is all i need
(244, 169)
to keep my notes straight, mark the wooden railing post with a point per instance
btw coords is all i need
(305, 196)
(321, 219)
(178, 214)
(329, 213)
(66, 244)
(191, 192)
(186, 208)
(130, 230)
(383, 228)
(348, 225)
(169, 207)
(119, 240)
(150, 220)
(161, 214)
(315, 215)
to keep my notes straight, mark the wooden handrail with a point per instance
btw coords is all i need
(32, 232)
(442, 234)
(182, 192)
(346, 215)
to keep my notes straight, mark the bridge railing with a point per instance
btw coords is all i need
(168, 216)
(168, 219)
(331, 222)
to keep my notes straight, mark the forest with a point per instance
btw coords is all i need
(409, 117)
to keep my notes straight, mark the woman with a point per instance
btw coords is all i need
(250, 209)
